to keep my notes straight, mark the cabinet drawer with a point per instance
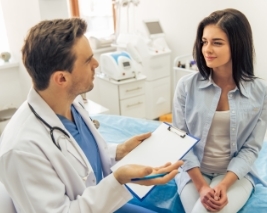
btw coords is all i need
(132, 89)
(133, 107)
(157, 67)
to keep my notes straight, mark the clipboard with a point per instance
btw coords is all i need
(166, 144)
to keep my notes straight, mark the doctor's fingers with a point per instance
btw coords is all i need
(136, 140)
(142, 136)
(126, 173)
(168, 167)
(158, 181)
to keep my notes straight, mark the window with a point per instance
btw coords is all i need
(4, 46)
(99, 16)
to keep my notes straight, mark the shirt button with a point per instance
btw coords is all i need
(230, 96)
(233, 111)
(233, 144)
(233, 129)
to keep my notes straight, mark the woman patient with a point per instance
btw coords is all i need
(224, 105)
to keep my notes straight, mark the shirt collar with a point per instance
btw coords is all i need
(206, 83)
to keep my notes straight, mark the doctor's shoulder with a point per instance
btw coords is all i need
(21, 129)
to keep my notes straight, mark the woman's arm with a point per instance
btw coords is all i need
(206, 193)
(179, 121)
(241, 164)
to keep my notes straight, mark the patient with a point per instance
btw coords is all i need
(224, 105)
(52, 159)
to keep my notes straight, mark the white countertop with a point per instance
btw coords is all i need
(94, 108)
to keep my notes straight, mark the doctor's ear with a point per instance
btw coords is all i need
(59, 78)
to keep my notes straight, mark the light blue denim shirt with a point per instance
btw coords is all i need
(194, 105)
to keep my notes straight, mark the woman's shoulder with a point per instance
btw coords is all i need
(258, 84)
(190, 77)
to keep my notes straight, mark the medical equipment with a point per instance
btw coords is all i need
(117, 65)
(52, 129)
(118, 6)
(100, 42)
(154, 28)
(152, 57)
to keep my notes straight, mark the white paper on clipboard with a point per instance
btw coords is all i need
(163, 146)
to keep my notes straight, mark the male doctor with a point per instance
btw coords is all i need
(52, 159)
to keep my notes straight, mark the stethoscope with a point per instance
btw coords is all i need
(52, 129)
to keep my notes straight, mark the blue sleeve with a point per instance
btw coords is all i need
(179, 121)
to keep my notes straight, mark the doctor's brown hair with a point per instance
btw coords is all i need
(237, 28)
(48, 48)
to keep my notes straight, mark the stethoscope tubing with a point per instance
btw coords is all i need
(49, 127)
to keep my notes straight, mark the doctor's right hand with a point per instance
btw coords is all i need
(126, 173)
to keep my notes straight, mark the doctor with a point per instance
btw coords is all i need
(52, 159)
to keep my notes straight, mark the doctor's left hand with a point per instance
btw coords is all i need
(124, 148)
(126, 173)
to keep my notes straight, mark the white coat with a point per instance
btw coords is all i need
(41, 178)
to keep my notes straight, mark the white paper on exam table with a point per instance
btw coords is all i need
(163, 146)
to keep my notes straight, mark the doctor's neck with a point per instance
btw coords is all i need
(58, 100)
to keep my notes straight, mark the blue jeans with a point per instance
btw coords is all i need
(131, 208)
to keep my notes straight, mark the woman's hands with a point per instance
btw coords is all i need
(213, 199)
(220, 199)
(126, 173)
(124, 148)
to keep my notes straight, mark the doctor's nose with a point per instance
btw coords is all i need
(95, 63)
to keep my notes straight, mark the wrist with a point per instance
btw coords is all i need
(224, 185)
(201, 186)
(120, 152)
(117, 177)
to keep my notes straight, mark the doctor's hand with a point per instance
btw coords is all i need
(124, 148)
(126, 173)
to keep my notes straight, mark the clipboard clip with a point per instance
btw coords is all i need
(179, 132)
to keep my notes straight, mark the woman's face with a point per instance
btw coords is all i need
(216, 48)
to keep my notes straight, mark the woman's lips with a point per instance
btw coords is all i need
(208, 58)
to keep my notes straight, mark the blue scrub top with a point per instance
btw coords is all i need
(84, 137)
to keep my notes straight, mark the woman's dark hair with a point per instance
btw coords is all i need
(49, 47)
(239, 33)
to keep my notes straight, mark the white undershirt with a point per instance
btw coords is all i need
(217, 149)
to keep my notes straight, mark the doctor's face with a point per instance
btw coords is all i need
(216, 48)
(82, 75)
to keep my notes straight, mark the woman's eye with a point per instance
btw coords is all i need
(204, 42)
(218, 43)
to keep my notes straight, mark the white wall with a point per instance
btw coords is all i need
(52, 9)
(179, 20)
(19, 17)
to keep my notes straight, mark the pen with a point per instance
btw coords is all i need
(150, 177)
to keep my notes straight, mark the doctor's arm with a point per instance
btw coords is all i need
(126, 147)
(34, 186)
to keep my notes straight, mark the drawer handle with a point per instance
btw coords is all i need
(130, 90)
(131, 105)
